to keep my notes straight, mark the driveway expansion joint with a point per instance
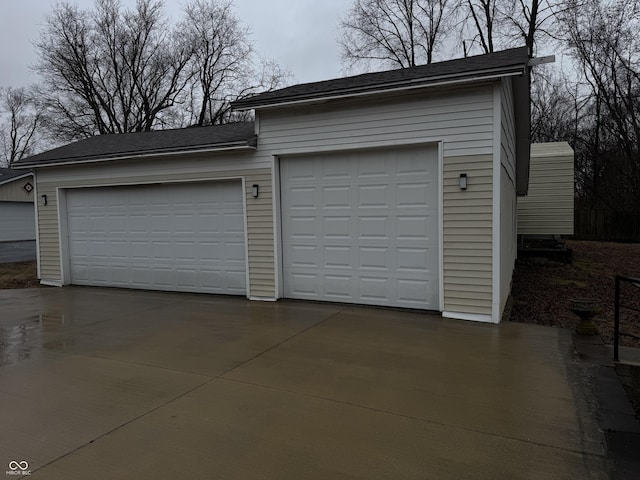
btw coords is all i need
(272, 347)
(419, 419)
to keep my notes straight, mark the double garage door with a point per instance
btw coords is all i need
(180, 237)
(362, 227)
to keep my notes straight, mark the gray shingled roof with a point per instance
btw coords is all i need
(506, 61)
(125, 145)
(9, 174)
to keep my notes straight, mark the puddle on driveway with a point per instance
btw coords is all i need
(19, 342)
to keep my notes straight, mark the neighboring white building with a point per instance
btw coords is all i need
(394, 188)
(17, 217)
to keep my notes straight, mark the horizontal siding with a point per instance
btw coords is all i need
(467, 237)
(13, 191)
(194, 168)
(548, 208)
(507, 128)
(462, 118)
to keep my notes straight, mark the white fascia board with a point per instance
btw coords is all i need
(379, 91)
(15, 179)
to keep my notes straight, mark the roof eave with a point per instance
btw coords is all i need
(13, 179)
(404, 85)
(234, 146)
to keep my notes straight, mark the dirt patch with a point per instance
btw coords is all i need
(542, 288)
(18, 275)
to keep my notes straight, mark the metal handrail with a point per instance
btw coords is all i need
(616, 314)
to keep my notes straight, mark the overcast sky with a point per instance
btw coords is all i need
(299, 34)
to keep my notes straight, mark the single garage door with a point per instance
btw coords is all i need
(180, 237)
(362, 227)
(17, 221)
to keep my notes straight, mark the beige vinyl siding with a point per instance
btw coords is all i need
(507, 129)
(13, 191)
(467, 237)
(548, 208)
(260, 240)
(462, 118)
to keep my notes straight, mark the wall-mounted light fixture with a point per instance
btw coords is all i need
(44, 199)
(254, 191)
(463, 181)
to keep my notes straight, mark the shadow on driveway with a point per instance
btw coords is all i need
(107, 383)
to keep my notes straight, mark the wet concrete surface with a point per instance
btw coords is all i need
(11, 252)
(107, 383)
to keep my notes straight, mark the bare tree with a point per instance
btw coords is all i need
(222, 65)
(109, 70)
(18, 132)
(528, 21)
(394, 33)
(492, 24)
(556, 107)
(114, 70)
(604, 42)
(478, 26)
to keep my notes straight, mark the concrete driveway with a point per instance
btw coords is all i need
(116, 384)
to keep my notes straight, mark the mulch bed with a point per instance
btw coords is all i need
(542, 288)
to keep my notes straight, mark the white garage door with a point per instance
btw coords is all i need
(362, 227)
(17, 221)
(179, 237)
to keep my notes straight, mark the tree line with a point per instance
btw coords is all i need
(111, 70)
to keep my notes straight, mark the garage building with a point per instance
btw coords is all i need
(394, 189)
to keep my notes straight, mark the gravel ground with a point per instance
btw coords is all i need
(542, 288)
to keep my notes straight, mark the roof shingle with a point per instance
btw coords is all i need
(125, 145)
(488, 64)
(8, 174)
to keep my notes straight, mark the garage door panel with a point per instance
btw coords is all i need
(337, 287)
(304, 284)
(336, 197)
(362, 227)
(412, 195)
(371, 196)
(163, 237)
(338, 257)
(412, 227)
(374, 258)
(373, 227)
(334, 169)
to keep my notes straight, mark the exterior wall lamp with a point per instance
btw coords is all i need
(254, 190)
(463, 181)
(44, 199)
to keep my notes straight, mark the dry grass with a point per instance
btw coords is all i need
(18, 275)
(542, 288)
